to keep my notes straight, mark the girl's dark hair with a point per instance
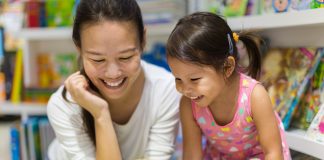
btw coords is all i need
(205, 38)
(94, 11)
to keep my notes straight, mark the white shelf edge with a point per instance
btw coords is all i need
(45, 33)
(278, 20)
(66, 32)
(160, 29)
(7, 108)
(298, 141)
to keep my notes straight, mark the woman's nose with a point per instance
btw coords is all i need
(112, 71)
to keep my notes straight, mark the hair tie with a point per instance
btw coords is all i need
(236, 37)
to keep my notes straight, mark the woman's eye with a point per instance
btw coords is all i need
(125, 58)
(194, 79)
(97, 60)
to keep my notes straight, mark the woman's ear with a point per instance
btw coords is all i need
(229, 66)
(144, 39)
(78, 50)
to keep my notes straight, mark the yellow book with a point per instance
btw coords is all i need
(17, 78)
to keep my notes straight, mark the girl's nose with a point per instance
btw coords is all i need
(186, 90)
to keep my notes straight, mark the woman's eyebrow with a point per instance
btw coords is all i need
(93, 52)
(128, 50)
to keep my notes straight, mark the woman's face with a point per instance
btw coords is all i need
(111, 54)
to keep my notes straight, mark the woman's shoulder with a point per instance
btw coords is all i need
(155, 72)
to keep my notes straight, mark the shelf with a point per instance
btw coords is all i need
(66, 32)
(290, 29)
(45, 33)
(298, 141)
(313, 17)
(8, 108)
(160, 29)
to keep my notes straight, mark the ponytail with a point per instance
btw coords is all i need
(252, 42)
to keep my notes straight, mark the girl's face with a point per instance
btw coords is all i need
(111, 54)
(202, 84)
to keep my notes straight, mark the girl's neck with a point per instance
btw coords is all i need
(226, 102)
(231, 88)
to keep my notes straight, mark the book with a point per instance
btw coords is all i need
(15, 141)
(316, 129)
(16, 92)
(301, 89)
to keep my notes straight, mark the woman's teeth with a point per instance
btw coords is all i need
(114, 84)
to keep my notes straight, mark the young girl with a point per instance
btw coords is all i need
(232, 110)
(116, 106)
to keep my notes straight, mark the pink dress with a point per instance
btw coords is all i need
(239, 138)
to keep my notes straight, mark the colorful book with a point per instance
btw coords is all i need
(316, 129)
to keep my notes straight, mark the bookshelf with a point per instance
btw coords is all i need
(285, 29)
(22, 109)
(298, 141)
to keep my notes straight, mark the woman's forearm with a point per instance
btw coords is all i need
(107, 146)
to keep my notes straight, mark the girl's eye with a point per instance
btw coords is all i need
(194, 79)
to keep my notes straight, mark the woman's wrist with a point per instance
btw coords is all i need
(102, 116)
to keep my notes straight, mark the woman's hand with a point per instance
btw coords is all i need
(78, 87)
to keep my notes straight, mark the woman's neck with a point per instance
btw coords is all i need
(122, 109)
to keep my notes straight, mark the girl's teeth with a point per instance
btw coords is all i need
(194, 97)
(114, 84)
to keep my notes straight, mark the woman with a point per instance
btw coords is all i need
(116, 106)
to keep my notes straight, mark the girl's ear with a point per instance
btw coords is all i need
(229, 66)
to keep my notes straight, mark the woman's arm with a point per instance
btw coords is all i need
(266, 123)
(106, 140)
(66, 120)
(192, 148)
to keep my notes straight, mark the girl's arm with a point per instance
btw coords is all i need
(106, 140)
(266, 123)
(192, 148)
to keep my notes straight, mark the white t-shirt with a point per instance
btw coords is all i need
(150, 133)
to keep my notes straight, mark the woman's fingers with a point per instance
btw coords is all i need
(78, 87)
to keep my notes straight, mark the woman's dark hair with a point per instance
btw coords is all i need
(94, 11)
(205, 38)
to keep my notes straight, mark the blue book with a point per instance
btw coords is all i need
(15, 142)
